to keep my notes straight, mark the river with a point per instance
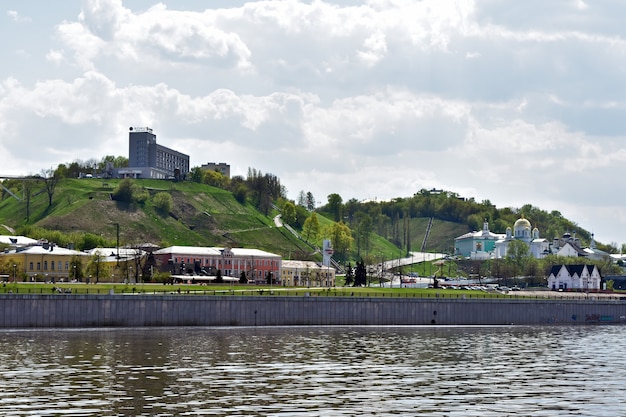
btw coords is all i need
(314, 371)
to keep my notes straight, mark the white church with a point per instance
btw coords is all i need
(488, 245)
(538, 247)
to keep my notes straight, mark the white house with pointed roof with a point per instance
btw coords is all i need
(574, 277)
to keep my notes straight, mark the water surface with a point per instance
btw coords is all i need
(314, 371)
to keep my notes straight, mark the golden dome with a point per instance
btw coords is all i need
(521, 224)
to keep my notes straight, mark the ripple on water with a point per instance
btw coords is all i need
(487, 371)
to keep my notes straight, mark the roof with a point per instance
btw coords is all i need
(576, 248)
(572, 269)
(480, 234)
(110, 254)
(214, 251)
(17, 240)
(52, 250)
(289, 264)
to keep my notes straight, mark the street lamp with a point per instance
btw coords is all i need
(74, 266)
(14, 273)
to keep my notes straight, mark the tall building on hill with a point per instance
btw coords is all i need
(147, 159)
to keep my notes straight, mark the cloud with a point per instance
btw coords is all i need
(17, 17)
(380, 98)
(107, 30)
(55, 56)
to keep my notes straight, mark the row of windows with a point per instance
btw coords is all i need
(59, 266)
(208, 262)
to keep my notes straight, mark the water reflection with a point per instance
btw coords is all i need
(488, 371)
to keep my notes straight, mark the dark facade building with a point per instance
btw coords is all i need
(147, 159)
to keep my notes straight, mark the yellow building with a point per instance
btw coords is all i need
(306, 274)
(43, 262)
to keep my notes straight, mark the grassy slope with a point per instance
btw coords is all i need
(201, 215)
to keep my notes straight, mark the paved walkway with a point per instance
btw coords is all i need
(415, 258)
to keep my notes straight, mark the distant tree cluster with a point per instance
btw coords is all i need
(261, 190)
(91, 166)
(391, 219)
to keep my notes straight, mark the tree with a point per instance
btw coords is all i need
(124, 191)
(311, 228)
(240, 192)
(218, 277)
(28, 194)
(302, 198)
(334, 206)
(96, 267)
(196, 174)
(360, 274)
(310, 201)
(289, 213)
(163, 202)
(518, 254)
(242, 278)
(363, 232)
(349, 275)
(215, 179)
(50, 182)
(76, 268)
(341, 237)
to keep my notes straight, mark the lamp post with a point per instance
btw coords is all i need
(14, 272)
(74, 266)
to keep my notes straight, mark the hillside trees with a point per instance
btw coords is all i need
(341, 238)
(29, 186)
(311, 228)
(334, 206)
(363, 232)
(288, 213)
(264, 189)
(306, 200)
(91, 166)
(310, 201)
(50, 179)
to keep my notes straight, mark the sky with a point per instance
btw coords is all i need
(515, 102)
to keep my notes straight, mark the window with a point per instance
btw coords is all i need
(31, 266)
(52, 265)
(45, 265)
(38, 266)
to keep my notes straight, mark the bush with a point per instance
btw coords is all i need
(163, 202)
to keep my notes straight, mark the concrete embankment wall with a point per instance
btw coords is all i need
(18, 310)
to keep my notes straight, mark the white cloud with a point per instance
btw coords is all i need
(17, 17)
(55, 56)
(374, 99)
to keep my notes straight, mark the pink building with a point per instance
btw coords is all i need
(203, 261)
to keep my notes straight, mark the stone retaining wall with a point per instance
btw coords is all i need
(18, 310)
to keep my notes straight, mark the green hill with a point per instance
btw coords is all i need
(201, 215)
(84, 213)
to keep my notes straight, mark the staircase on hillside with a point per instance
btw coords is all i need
(425, 241)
